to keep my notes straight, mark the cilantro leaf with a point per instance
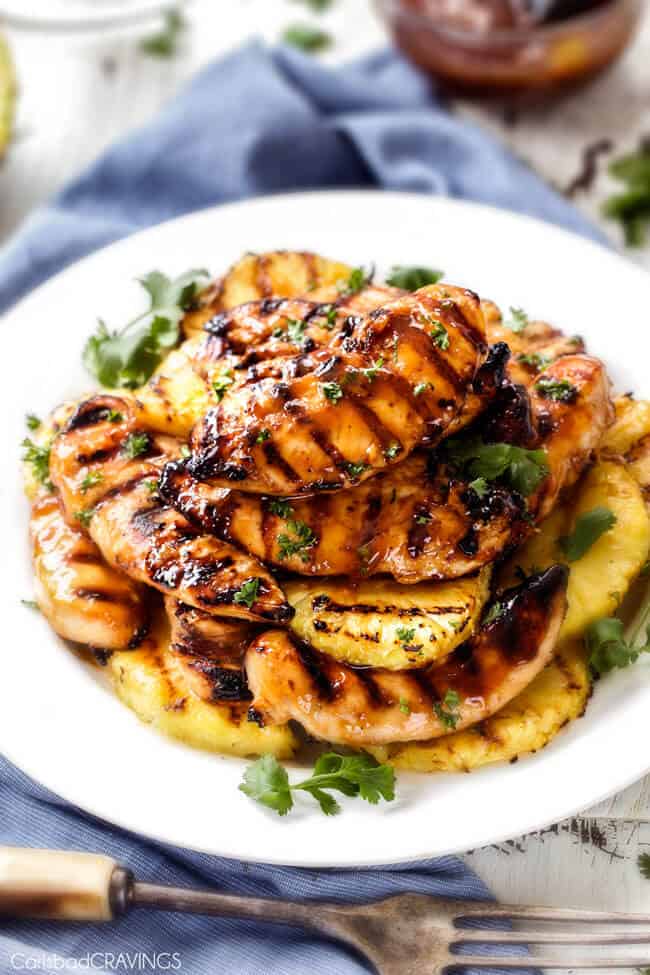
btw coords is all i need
(631, 206)
(332, 391)
(535, 360)
(358, 280)
(298, 542)
(248, 594)
(38, 458)
(495, 611)
(643, 863)
(32, 421)
(608, 647)
(410, 277)
(267, 782)
(439, 335)
(222, 384)
(135, 445)
(91, 479)
(280, 507)
(358, 775)
(589, 526)
(518, 320)
(523, 469)
(165, 43)
(405, 634)
(479, 486)
(307, 38)
(127, 358)
(420, 388)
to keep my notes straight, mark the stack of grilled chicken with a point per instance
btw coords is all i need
(318, 446)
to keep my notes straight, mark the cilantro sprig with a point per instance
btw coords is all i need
(631, 206)
(38, 458)
(589, 527)
(608, 647)
(248, 594)
(126, 358)
(518, 320)
(307, 38)
(523, 469)
(447, 710)
(410, 277)
(298, 542)
(165, 43)
(267, 782)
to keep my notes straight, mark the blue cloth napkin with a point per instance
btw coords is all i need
(257, 122)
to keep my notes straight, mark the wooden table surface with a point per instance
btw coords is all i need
(80, 93)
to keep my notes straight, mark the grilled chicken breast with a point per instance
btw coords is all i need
(335, 418)
(209, 652)
(421, 519)
(107, 470)
(83, 598)
(360, 707)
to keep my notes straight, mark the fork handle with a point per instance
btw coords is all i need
(62, 886)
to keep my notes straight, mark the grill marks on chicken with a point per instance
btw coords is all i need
(411, 522)
(102, 461)
(420, 519)
(398, 379)
(209, 652)
(358, 707)
(83, 598)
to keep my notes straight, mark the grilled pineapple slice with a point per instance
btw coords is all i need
(285, 274)
(175, 397)
(556, 696)
(150, 682)
(600, 579)
(380, 623)
(631, 424)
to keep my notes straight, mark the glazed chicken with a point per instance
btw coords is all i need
(209, 651)
(420, 519)
(106, 471)
(83, 598)
(397, 380)
(357, 706)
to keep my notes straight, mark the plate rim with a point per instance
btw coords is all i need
(164, 836)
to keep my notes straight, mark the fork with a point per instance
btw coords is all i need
(408, 934)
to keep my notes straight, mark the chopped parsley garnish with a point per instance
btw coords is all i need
(33, 422)
(360, 775)
(280, 508)
(300, 540)
(405, 634)
(222, 384)
(535, 360)
(358, 280)
(560, 390)
(631, 207)
(307, 38)
(391, 452)
(329, 316)
(113, 416)
(447, 710)
(165, 43)
(410, 277)
(332, 391)
(248, 593)
(421, 388)
(588, 528)
(439, 335)
(479, 486)
(355, 470)
(91, 479)
(29, 603)
(296, 330)
(523, 469)
(494, 613)
(38, 457)
(518, 320)
(128, 357)
(135, 445)
(371, 372)
(608, 648)
(262, 436)
(423, 518)
(151, 485)
(404, 706)
(85, 516)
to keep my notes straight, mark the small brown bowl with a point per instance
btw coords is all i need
(538, 58)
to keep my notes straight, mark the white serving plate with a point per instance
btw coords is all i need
(59, 720)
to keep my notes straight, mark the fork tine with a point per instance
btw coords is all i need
(474, 909)
(467, 936)
(537, 961)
